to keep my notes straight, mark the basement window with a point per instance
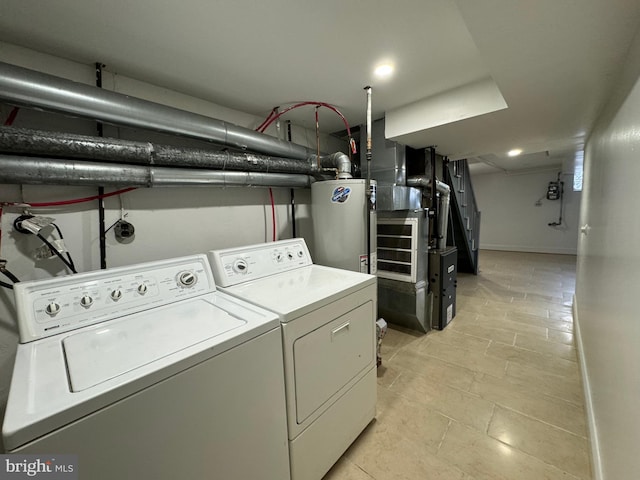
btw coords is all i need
(578, 171)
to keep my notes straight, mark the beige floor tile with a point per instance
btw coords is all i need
(470, 359)
(464, 317)
(539, 321)
(488, 459)
(563, 327)
(463, 300)
(523, 307)
(396, 338)
(560, 386)
(432, 368)
(511, 326)
(387, 374)
(467, 408)
(504, 368)
(384, 401)
(556, 447)
(483, 331)
(346, 470)
(536, 344)
(560, 337)
(529, 401)
(496, 311)
(497, 292)
(565, 314)
(540, 297)
(415, 422)
(385, 454)
(542, 361)
(459, 339)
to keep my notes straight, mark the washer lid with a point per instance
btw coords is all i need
(111, 349)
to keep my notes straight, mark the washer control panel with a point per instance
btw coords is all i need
(55, 305)
(232, 266)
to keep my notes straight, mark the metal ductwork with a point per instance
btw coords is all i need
(338, 161)
(32, 89)
(16, 141)
(48, 171)
(445, 198)
(388, 168)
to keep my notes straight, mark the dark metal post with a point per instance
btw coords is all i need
(292, 192)
(101, 222)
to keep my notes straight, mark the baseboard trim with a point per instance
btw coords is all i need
(511, 248)
(596, 463)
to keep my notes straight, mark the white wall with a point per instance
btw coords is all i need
(511, 220)
(169, 221)
(608, 281)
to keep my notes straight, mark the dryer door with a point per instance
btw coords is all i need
(327, 358)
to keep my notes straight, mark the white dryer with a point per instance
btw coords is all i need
(147, 371)
(328, 329)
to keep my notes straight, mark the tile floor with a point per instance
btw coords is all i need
(496, 395)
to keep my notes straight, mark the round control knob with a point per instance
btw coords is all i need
(290, 255)
(86, 301)
(279, 257)
(142, 289)
(300, 253)
(240, 266)
(116, 295)
(52, 309)
(187, 279)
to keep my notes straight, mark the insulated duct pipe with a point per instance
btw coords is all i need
(31, 89)
(47, 171)
(445, 198)
(18, 141)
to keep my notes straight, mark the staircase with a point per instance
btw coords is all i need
(464, 227)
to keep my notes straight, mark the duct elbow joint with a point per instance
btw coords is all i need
(340, 161)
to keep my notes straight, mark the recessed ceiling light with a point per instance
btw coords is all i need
(383, 70)
(515, 152)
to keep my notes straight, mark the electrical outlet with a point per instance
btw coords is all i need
(124, 230)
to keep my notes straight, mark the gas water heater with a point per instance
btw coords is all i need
(344, 224)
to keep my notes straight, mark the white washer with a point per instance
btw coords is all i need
(148, 371)
(328, 328)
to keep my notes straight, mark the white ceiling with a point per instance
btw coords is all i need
(554, 62)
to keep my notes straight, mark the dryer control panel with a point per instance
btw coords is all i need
(233, 266)
(51, 306)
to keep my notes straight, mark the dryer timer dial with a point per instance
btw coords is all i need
(240, 266)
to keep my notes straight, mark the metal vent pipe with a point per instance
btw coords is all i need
(444, 203)
(21, 141)
(32, 89)
(47, 171)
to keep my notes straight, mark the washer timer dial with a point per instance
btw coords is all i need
(187, 279)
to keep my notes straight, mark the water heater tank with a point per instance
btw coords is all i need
(342, 235)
